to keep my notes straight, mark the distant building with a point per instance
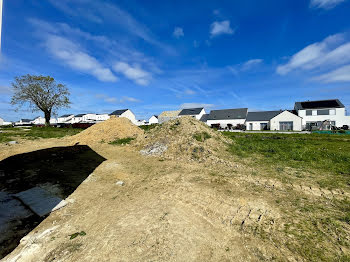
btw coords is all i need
(102, 117)
(204, 118)
(314, 113)
(24, 122)
(153, 120)
(168, 115)
(194, 112)
(127, 113)
(1, 121)
(273, 120)
(65, 119)
(227, 118)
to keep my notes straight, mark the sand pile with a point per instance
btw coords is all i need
(183, 138)
(107, 131)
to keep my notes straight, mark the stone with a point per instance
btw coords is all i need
(12, 142)
(120, 183)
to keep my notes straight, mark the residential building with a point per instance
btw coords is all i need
(194, 112)
(204, 118)
(1, 121)
(227, 118)
(24, 122)
(273, 120)
(65, 118)
(102, 117)
(38, 121)
(153, 120)
(314, 113)
(127, 113)
(168, 115)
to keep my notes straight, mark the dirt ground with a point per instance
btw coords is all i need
(168, 210)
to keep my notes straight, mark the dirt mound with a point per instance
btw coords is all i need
(107, 131)
(183, 138)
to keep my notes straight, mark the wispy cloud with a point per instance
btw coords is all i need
(196, 105)
(178, 32)
(72, 55)
(325, 4)
(136, 74)
(220, 28)
(322, 57)
(106, 12)
(114, 100)
(4, 90)
(341, 74)
(251, 64)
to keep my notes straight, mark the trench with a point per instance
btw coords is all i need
(58, 170)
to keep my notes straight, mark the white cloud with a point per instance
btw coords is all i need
(4, 90)
(325, 4)
(331, 52)
(250, 64)
(72, 55)
(135, 73)
(220, 28)
(178, 32)
(114, 100)
(196, 105)
(341, 74)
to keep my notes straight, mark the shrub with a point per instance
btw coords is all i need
(201, 136)
(122, 141)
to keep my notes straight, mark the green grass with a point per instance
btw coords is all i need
(307, 152)
(9, 134)
(201, 136)
(122, 141)
(147, 128)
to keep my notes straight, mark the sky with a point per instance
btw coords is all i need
(152, 56)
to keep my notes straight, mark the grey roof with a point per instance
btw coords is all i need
(238, 113)
(26, 120)
(204, 118)
(118, 112)
(262, 116)
(66, 115)
(80, 115)
(331, 103)
(190, 111)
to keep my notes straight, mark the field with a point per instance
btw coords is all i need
(211, 197)
(9, 133)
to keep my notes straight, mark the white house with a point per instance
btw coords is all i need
(141, 122)
(168, 115)
(227, 118)
(1, 121)
(102, 117)
(314, 113)
(4, 123)
(24, 122)
(65, 118)
(194, 112)
(38, 121)
(127, 113)
(273, 120)
(153, 120)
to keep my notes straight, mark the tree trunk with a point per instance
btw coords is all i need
(47, 118)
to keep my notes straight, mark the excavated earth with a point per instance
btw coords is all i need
(174, 205)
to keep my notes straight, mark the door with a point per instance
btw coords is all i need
(285, 126)
(263, 126)
(250, 126)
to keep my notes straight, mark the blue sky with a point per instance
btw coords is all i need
(151, 56)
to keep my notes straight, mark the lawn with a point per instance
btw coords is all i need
(321, 153)
(8, 134)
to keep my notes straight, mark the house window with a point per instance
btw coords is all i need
(309, 112)
(263, 126)
(285, 126)
(323, 112)
(332, 112)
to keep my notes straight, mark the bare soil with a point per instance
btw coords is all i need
(176, 207)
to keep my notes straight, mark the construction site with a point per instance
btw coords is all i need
(116, 192)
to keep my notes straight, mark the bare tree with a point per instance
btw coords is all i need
(40, 93)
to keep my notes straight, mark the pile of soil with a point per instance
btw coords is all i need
(107, 131)
(184, 138)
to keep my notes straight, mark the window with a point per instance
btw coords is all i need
(332, 112)
(285, 126)
(323, 112)
(309, 112)
(263, 126)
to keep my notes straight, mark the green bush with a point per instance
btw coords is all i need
(122, 141)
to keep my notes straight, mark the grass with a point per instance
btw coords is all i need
(122, 141)
(201, 136)
(31, 133)
(147, 128)
(318, 153)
